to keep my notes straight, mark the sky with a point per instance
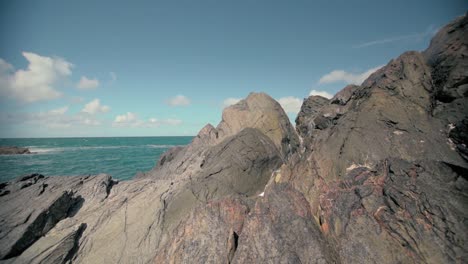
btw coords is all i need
(167, 68)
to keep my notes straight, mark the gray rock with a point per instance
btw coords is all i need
(309, 110)
(281, 229)
(13, 150)
(262, 112)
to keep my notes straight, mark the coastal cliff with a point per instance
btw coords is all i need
(377, 174)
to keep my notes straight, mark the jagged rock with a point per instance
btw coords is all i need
(239, 166)
(14, 150)
(21, 227)
(243, 164)
(208, 235)
(136, 218)
(459, 136)
(208, 135)
(343, 96)
(309, 109)
(169, 155)
(375, 214)
(389, 116)
(447, 56)
(61, 252)
(386, 181)
(281, 229)
(258, 111)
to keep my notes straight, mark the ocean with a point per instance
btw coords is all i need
(121, 157)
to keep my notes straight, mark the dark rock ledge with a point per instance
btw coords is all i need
(14, 150)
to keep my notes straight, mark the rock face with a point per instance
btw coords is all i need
(377, 174)
(13, 150)
(305, 120)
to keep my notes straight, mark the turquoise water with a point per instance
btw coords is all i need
(121, 157)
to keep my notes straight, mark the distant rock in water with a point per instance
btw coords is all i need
(14, 150)
(377, 174)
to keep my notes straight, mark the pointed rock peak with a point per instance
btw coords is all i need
(343, 96)
(309, 109)
(449, 40)
(262, 112)
(206, 129)
(447, 56)
(207, 135)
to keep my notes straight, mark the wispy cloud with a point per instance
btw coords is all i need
(429, 32)
(86, 83)
(347, 77)
(179, 100)
(230, 101)
(130, 119)
(55, 118)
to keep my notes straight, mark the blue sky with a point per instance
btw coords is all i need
(152, 68)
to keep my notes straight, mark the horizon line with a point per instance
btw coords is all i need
(1, 138)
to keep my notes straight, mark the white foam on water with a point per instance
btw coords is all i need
(40, 150)
(162, 146)
(44, 150)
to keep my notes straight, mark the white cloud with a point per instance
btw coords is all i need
(129, 117)
(156, 122)
(55, 118)
(95, 107)
(321, 93)
(290, 104)
(37, 81)
(230, 101)
(131, 120)
(59, 111)
(179, 100)
(347, 77)
(87, 84)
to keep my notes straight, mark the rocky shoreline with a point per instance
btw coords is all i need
(6, 150)
(377, 174)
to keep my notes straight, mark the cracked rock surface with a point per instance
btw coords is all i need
(377, 174)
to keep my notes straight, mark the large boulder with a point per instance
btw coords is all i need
(262, 112)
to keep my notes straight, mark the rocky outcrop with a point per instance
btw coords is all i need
(208, 235)
(14, 150)
(258, 111)
(377, 174)
(138, 218)
(49, 201)
(261, 112)
(386, 180)
(305, 120)
(281, 229)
